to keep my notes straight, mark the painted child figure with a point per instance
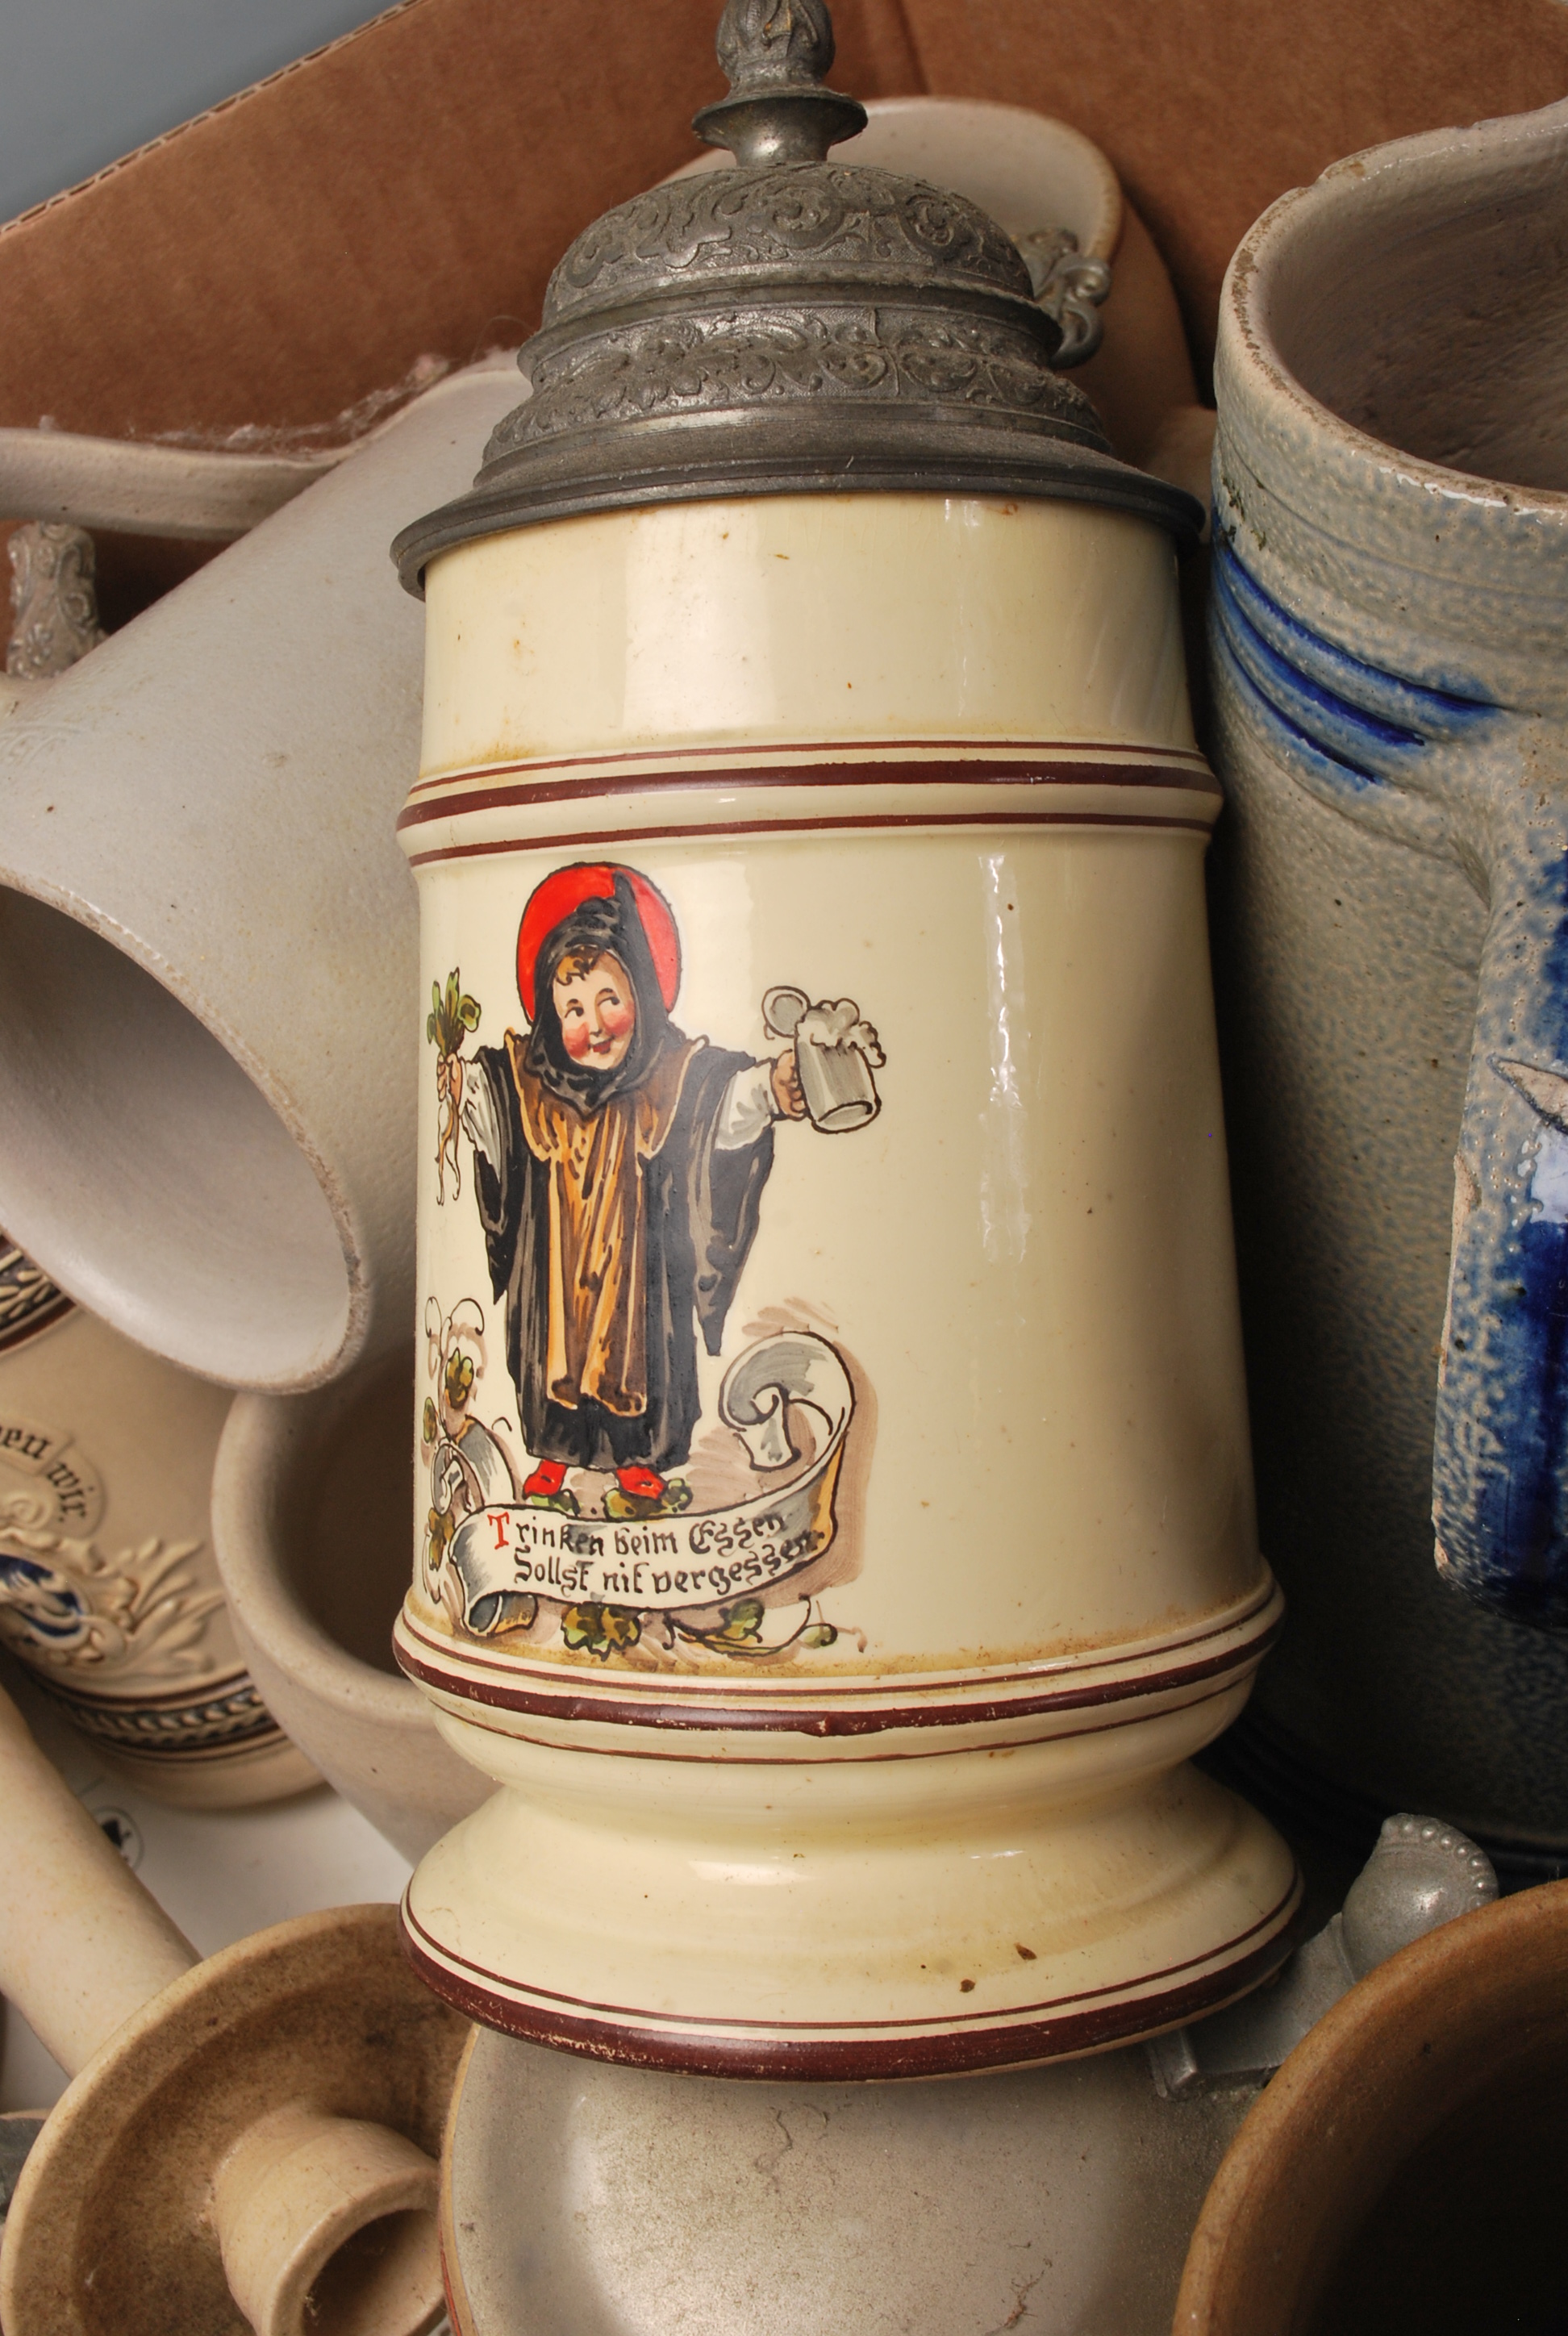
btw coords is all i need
(618, 1172)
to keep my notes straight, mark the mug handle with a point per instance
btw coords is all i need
(1500, 1445)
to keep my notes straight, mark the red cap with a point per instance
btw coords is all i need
(566, 889)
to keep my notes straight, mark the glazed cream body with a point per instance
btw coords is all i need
(861, 1751)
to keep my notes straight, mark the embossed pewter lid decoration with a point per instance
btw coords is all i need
(791, 326)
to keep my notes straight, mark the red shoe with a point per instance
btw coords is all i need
(546, 1480)
(641, 1484)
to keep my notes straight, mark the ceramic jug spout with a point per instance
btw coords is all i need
(209, 1140)
(328, 2222)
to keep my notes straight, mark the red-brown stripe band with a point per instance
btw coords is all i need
(925, 1751)
(1024, 751)
(989, 773)
(501, 1695)
(790, 2051)
(510, 1666)
(599, 835)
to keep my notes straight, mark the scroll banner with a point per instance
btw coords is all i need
(510, 1553)
(74, 1498)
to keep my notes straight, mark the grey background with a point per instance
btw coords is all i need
(82, 81)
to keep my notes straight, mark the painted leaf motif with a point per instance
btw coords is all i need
(597, 1630)
(451, 1013)
(583, 1626)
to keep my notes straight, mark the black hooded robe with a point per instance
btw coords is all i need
(700, 1209)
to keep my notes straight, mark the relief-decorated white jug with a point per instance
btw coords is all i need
(109, 1590)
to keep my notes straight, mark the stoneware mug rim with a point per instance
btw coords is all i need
(1342, 505)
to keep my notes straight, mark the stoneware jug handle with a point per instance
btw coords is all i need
(1435, 771)
(1500, 1452)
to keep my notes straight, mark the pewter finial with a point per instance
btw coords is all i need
(776, 54)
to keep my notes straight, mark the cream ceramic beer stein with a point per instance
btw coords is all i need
(109, 1593)
(838, 1528)
(1390, 678)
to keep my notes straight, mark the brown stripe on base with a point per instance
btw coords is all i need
(601, 835)
(1062, 2034)
(1178, 779)
(843, 750)
(936, 2024)
(217, 1723)
(500, 1695)
(47, 1312)
(1111, 1654)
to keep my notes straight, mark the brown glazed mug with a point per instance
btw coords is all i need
(1404, 2170)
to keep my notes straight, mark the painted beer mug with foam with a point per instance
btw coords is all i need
(836, 1526)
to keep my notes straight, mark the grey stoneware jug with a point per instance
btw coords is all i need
(1389, 642)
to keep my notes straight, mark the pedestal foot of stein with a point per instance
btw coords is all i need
(918, 1914)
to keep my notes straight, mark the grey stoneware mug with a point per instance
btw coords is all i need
(1390, 670)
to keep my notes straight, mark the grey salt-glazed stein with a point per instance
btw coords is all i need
(1390, 668)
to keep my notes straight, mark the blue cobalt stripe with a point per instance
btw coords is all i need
(1504, 1518)
(1408, 708)
(1288, 682)
(1340, 752)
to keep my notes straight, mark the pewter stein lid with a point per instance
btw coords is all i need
(795, 325)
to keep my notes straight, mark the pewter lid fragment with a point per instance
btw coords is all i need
(793, 325)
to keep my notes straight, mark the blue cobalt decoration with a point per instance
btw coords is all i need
(1345, 727)
(47, 1607)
